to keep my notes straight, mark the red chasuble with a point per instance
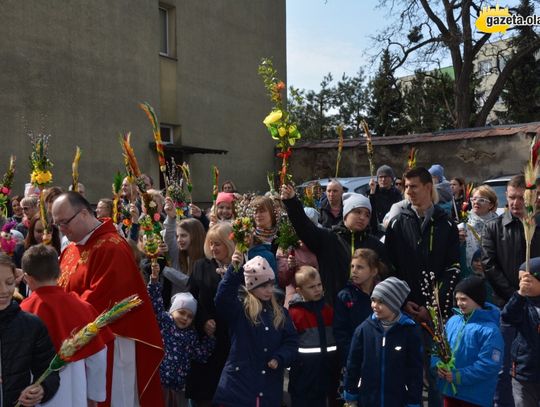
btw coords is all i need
(64, 314)
(103, 272)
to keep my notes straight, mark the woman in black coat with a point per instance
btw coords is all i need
(203, 378)
(25, 348)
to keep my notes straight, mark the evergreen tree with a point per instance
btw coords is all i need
(351, 99)
(521, 94)
(386, 104)
(428, 102)
(312, 110)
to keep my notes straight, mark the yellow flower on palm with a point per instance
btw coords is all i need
(273, 117)
(40, 177)
(282, 132)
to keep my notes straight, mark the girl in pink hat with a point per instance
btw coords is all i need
(263, 339)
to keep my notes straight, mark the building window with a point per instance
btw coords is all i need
(167, 133)
(163, 31)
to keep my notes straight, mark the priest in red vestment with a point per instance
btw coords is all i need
(99, 265)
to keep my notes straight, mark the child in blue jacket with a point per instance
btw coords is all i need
(386, 353)
(523, 312)
(264, 341)
(353, 303)
(477, 345)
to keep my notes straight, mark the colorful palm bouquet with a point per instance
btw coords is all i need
(84, 336)
(215, 183)
(41, 175)
(312, 195)
(411, 158)
(175, 189)
(463, 213)
(40, 164)
(369, 148)
(116, 190)
(5, 187)
(151, 236)
(340, 148)
(242, 232)
(278, 122)
(75, 170)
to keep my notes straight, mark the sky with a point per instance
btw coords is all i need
(331, 36)
(334, 36)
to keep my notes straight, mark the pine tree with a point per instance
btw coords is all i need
(386, 104)
(428, 102)
(521, 94)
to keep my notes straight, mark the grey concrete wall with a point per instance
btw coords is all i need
(77, 69)
(474, 159)
(221, 98)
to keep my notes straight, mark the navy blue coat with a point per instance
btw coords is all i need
(246, 375)
(389, 364)
(351, 308)
(520, 312)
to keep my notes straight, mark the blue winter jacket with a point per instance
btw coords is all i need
(388, 364)
(478, 348)
(522, 312)
(246, 375)
(352, 307)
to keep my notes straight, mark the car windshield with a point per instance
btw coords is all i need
(500, 189)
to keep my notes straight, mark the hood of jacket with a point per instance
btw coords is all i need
(298, 301)
(490, 313)
(404, 319)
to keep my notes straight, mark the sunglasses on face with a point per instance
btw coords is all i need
(480, 200)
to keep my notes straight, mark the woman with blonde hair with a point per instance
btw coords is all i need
(484, 207)
(263, 339)
(207, 273)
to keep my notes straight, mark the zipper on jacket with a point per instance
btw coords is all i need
(383, 367)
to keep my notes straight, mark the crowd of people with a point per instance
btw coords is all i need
(346, 317)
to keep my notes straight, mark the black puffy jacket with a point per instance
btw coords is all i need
(414, 250)
(327, 218)
(381, 202)
(333, 248)
(521, 312)
(25, 349)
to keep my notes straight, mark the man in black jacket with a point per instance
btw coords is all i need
(332, 206)
(382, 195)
(503, 244)
(423, 245)
(334, 247)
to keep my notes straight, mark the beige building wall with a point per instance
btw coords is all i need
(79, 69)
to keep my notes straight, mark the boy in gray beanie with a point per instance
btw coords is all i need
(382, 343)
(387, 298)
